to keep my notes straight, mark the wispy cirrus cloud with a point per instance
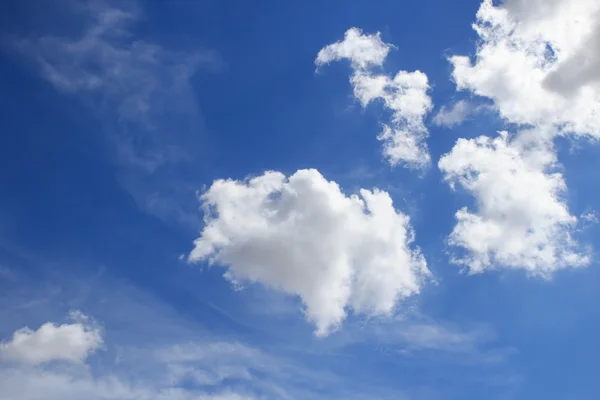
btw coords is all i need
(56, 361)
(149, 351)
(139, 91)
(413, 335)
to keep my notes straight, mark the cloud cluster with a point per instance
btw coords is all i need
(301, 235)
(405, 95)
(522, 220)
(536, 60)
(67, 342)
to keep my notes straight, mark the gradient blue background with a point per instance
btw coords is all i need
(72, 235)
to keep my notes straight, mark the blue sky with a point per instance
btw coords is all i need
(224, 200)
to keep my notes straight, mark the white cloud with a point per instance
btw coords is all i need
(67, 342)
(522, 220)
(537, 60)
(303, 236)
(405, 95)
(363, 51)
(455, 115)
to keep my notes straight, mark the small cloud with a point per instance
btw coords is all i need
(51, 342)
(453, 115)
(591, 217)
(363, 51)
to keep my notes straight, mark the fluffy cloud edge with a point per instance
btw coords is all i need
(405, 95)
(303, 236)
(524, 47)
(52, 342)
(522, 220)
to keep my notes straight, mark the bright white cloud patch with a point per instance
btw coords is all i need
(302, 235)
(521, 219)
(363, 51)
(539, 61)
(67, 342)
(405, 95)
